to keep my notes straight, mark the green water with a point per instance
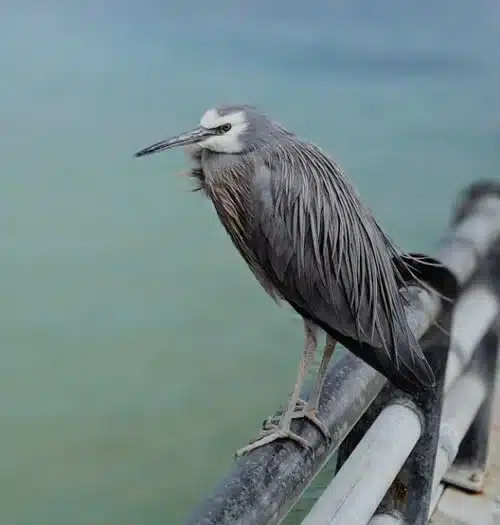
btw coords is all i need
(137, 352)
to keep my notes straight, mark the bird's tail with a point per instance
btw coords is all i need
(405, 367)
(408, 369)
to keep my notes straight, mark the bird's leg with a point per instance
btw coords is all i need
(311, 341)
(310, 410)
(313, 402)
(272, 432)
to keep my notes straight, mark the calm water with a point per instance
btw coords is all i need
(137, 352)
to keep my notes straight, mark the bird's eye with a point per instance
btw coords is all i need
(225, 128)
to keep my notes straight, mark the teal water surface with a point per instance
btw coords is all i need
(137, 351)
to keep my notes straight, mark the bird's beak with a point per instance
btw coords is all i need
(191, 137)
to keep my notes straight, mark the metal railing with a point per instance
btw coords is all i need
(394, 450)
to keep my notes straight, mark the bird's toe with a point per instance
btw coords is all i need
(268, 436)
(274, 420)
(312, 415)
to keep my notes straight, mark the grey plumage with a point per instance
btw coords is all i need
(306, 235)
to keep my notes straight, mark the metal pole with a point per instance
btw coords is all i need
(471, 458)
(475, 311)
(265, 484)
(357, 489)
(459, 411)
(354, 494)
(460, 407)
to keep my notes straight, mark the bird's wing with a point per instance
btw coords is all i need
(324, 252)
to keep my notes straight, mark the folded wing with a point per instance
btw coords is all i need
(324, 252)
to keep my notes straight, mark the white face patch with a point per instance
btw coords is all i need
(210, 119)
(228, 142)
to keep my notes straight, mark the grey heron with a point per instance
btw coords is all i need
(301, 227)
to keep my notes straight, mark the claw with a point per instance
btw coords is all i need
(273, 420)
(312, 415)
(301, 412)
(273, 434)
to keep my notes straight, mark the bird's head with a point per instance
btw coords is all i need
(225, 129)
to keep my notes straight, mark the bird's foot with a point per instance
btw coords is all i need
(311, 414)
(302, 411)
(275, 418)
(272, 433)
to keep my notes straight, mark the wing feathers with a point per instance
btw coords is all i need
(324, 252)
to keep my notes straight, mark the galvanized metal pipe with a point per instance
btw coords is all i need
(459, 409)
(359, 486)
(265, 484)
(478, 312)
(473, 315)
(472, 238)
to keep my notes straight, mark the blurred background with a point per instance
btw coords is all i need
(137, 352)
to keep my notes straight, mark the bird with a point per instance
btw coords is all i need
(300, 225)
